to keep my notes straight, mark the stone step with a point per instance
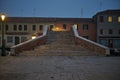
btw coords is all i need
(54, 42)
(59, 53)
(59, 44)
(62, 50)
(59, 48)
(60, 40)
(60, 37)
(59, 34)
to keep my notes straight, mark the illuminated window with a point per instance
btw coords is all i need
(119, 19)
(109, 18)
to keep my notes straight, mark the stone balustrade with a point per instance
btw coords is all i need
(90, 45)
(30, 44)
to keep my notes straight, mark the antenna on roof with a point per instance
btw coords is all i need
(34, 14)
(34, 10)
(81, 12)
(21, 12)
(101, 4)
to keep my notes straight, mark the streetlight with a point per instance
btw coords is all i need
(3, 40)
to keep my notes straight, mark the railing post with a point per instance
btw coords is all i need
(12, 51)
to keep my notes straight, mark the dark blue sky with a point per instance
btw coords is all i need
(56, 8)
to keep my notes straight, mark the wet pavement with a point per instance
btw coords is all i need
(59, 68)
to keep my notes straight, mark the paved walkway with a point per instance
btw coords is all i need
(59, 68)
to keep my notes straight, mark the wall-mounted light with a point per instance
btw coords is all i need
(33, 36)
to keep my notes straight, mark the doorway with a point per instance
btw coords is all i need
(110, 43)
(51, 27)
(17, 40)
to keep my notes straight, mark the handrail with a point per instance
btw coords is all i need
(22, 45)
(107, 52)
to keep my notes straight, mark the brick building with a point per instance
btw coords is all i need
(104, 27)
(20, 29)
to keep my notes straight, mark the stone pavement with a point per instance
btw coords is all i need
(59, 68)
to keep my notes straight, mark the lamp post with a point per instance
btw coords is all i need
(3, 40)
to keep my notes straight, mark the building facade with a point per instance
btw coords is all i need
(20, 29)
(104, 28)
(108, 28)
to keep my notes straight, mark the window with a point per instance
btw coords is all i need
(9, 39)
(0, 40)
(23, 39)
(119, 31)
(103, 42)
(85, 37)
(110, 31)
(51, 27)
(20, 27)
(85, 26)
(118, 18)
(17, 40)
(25, 27)
(0, 27)
(101, 31)
(41, 27)
(101, 19)
(64, 26)
(6, 27)
(116, 43)
(109, 18)
(34, 27)
(15, 27)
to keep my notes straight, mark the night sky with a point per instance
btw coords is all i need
(56, 8)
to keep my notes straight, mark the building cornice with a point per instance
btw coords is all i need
(47, 19)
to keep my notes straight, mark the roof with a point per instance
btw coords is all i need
(47, 19)
(109, 12)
